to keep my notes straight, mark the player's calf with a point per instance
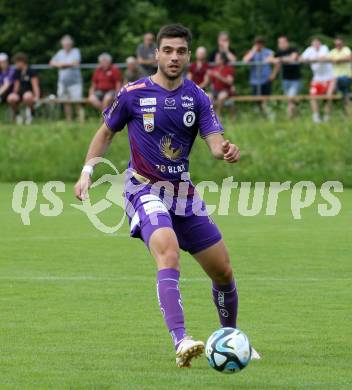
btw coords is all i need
(226, 301)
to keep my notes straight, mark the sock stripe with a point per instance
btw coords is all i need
(161, 280)
(225, 292)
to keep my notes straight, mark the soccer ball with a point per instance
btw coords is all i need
(228, 350)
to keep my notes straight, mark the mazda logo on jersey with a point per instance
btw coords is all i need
(189, 118)
(170, 102)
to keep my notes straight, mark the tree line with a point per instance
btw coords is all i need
(35, 27)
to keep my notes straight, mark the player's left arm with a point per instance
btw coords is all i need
(223, 149)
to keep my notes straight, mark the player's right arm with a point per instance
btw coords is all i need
(116, 117)
(97, 148)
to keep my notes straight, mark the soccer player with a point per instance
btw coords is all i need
(164, 113)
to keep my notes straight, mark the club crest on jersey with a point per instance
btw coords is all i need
(189, 118)
(169, 150)
(148, 122)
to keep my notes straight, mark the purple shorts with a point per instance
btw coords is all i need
(148, 212)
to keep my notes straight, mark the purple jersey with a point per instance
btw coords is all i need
(162, 125)
(8, 76)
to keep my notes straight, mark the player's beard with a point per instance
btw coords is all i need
(174, 76)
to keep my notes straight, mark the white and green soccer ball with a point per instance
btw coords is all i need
(228, 350)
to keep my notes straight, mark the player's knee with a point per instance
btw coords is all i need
(13, 98)
(28, 97)
(224, 275)
(168, 258)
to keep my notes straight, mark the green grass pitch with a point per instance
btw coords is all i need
(78, 308)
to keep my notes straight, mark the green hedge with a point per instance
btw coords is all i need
(271, 151)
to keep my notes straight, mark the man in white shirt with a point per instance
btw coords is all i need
(323, 82)
(69, 86)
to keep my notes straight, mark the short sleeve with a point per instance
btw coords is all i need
(117, 115)
(76, 55)
(139, 50)
(268, 53)
(12, 74)
(324, 51)
(56, 57)
(32, 73)
(208, 121)
(306, 54)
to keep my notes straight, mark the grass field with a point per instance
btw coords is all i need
(78, 308)
(270, 151)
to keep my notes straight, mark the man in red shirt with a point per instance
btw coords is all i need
(106, 81)
(221, 81)
(198, 69)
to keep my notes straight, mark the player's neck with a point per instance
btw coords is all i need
(160, 79)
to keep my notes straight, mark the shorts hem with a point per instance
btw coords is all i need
(204, 245)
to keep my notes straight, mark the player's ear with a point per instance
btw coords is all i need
(157, 54)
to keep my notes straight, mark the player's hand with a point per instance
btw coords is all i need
(231, 152)
(82, 186)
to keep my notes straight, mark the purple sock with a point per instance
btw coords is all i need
(171, 304)
(226, 301)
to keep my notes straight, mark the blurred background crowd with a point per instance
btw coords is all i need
(226, 68)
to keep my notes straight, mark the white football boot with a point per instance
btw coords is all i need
(255, 355)
(187, 350)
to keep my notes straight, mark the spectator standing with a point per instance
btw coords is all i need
(26, 89)
(198, 69)
(261, 75)
(146, 54)
(106, 81)
(341, 59)
(133, 71)
(284, 60)
(7, 77)
(69, 86)
(223, 47)
(323, 82)
(221, 81)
